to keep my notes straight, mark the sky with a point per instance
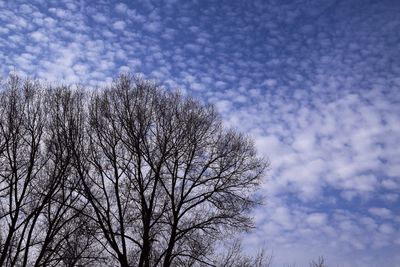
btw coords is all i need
(314, 82)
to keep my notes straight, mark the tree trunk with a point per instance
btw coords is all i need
(171, 244)
(145, 253)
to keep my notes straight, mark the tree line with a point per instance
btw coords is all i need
(126, 175)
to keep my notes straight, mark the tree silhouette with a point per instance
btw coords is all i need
(132, 173)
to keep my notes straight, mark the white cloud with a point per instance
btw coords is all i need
(316, 219)
(99, 17)
(119, 25)
(381, 212)
(270, 82)
(121, 8)
(152, 27)
(39, 36)
(387, 229)
(223, 105)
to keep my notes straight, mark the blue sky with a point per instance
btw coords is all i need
(314, 82)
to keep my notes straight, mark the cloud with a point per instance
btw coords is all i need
(317, 219)
(381, 212)
(121, 8)
(152, 27)
(39, 37)
(99, 17)
(119, 25)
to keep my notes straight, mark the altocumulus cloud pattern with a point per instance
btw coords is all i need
(316, 83)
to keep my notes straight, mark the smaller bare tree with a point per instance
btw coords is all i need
(40, 209)
(234, 256)
(318, 263)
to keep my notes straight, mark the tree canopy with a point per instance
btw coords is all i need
(130, 174)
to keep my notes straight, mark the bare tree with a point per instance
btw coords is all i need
(25, 189)
(164, 178)
(318, 263)
(233, 255)
(69, 235)
(37, 187)
(146, 175)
